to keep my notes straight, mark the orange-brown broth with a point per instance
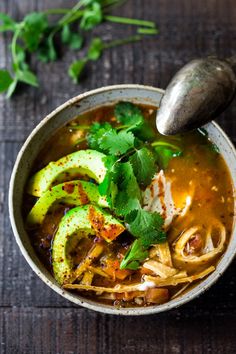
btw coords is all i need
(199, 166)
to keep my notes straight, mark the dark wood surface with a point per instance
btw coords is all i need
(34, 319)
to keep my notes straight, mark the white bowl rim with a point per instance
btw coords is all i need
(137, 311)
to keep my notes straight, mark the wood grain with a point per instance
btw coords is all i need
(33, 319)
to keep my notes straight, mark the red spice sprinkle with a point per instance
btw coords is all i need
(69, 188)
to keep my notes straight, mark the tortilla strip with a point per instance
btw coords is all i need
(160, 269)
(172, 281)
(117, 289)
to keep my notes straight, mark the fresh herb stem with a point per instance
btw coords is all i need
(67, 16)
(164, 143)
(79, 127)
(56, 11)
(149, 31)
(35, 34)
(122, 41)
(14, 45)
(75, 17)
(122, 127)
(81, 140)
(129, 21)
(112, 3)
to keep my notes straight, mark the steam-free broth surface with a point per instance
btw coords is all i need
(191, 190)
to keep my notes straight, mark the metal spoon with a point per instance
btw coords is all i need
(198, 93)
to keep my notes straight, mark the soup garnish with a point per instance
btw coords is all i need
(124, 215)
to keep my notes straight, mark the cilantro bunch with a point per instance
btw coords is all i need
(37, 34)
(131, 163)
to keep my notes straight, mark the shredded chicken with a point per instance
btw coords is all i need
(158, 197)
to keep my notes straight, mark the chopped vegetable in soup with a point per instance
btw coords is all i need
(125, 216)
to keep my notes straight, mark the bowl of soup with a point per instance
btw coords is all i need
(114, 216)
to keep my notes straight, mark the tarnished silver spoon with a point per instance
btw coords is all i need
(198, 93)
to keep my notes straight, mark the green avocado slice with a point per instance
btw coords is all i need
(84, 162)
(73, 192)
(78, 223)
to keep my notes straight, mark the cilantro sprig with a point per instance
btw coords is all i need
(131, 164)
(37, 34)
(136, 254)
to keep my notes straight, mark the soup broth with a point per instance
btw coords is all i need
(190, 190)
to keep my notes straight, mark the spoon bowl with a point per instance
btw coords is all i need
(197, 94)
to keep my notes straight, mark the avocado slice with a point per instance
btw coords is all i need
(84, 162)
(78, 223)
(73, 192)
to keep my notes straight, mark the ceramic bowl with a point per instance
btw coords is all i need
(34, 143)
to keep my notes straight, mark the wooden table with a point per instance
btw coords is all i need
(34, 319)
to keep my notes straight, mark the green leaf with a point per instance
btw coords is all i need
(146, 226)
(46, 51)
(74, 40)
(128, 194)
(143, 163)
(66, 34)
(143, 131)
(92, 16)
(28, 77)
(134, 256)
(21, 58)
(5, 80)
(95, 49)
(8, 24)
(108, 187)
(117, 143)
(96, 133)
(165, 151)
(76, 69)
(124, 203)
(129, 114)
(35, 25)
(12, 88)
(109, 162)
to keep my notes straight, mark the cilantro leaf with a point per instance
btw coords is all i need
(144, 131)
(34, 26)
(46, 51)
(165, 151)
(143, 163)
(28, 77)
(96, 133)
(117, 143)
(95, 49)
(108, 187)
(91, 17)
(8, 24)
(129, 114)
(12, 88)
(146, 226)
(74, 40)
(5, 80)
(120, 186)
(134, 256)
(76, 68)
(128, 192)
(124, 203)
